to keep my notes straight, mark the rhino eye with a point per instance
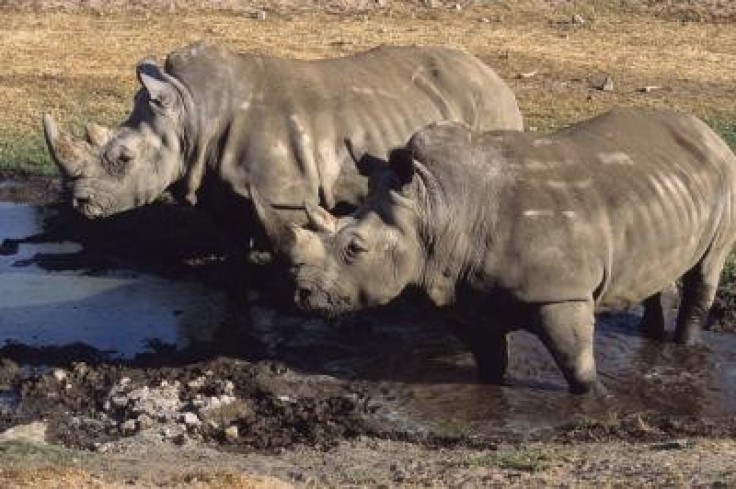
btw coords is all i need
(126, 155)
(355, 247)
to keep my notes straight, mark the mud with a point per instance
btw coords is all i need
(138, 328)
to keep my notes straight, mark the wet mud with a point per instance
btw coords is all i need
(143, 326)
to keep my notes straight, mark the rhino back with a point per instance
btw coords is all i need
(614, 208)
(288, 120)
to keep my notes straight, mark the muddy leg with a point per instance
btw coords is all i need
(698, 291)
(652, 323)
(490, 352)
(566, 329)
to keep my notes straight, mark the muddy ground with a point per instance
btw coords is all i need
(273, 398)
(384, 399)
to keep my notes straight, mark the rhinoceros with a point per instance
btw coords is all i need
(234, 120)
(508, 230)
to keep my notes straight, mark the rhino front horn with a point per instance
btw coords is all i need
(280, 233)
(70, 154)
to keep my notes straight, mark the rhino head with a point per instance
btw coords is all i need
(353, 262)
(116, 170)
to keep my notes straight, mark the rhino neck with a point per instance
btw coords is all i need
(458, 217)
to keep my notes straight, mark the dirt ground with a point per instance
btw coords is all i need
(238, 417)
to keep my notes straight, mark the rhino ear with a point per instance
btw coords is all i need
(366, 164)
(162, 93)
(401, 162)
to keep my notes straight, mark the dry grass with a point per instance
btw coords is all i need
(53, 477)
(79, 66)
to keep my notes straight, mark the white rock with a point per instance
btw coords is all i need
(33, 432)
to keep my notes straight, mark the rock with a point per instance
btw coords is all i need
(602, 82)
(650, 88)
(197, 383)
(33, 432)
(231, 433)
(260, 15)
(144, 422)
(190, 419)
(528, 74)
(59, 375)
(673, 445)
(578, 19)
(129, 427)
(118, 402)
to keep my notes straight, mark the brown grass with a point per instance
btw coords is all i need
(79, 66)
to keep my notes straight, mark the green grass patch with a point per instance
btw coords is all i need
(25, 153)
(727, 130)
(723, 314)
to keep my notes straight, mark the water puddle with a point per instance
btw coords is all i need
(640, 375)
(410, 366)
(119, 312)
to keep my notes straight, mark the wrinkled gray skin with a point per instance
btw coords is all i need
(509, 230)
(280, 125)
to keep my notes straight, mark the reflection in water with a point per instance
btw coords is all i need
(118, 312)
(429, 384)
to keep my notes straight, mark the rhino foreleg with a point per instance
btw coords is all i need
(698, 292)
(566, 328)
(652, 323)
(491, 354)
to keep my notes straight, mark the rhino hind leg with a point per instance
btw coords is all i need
(566, 328)
(699, 287)
(652, 324)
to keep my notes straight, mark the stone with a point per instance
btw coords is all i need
(33, 432)
(128, 427)
(190, 419)
(59, 374)
(602, 82)
(231, 433)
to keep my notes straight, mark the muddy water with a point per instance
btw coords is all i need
(640, 376)
(424, 381)
(118, 312)
(419, 378)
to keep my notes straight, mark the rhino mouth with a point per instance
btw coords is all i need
(91, 201)
(323, 303)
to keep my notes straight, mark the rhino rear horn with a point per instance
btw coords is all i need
(280, 233)
(320, 219)
(71, 155)
(97, 135)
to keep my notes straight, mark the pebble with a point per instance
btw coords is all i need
(578, 19)
(128, 427)
(231, 433)
(602, 82)
(190, 419)
(59, 375)
(144, 422)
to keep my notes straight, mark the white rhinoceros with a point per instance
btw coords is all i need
(511, 230)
